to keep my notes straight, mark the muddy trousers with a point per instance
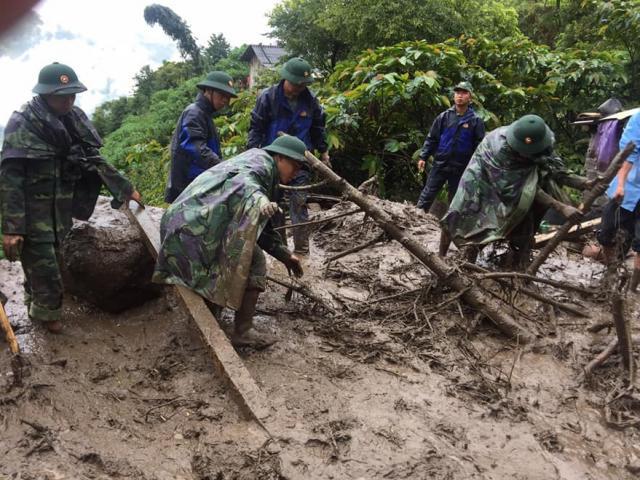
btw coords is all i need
(257, 284)
(435, 181)
(43, 282)
(299, 212)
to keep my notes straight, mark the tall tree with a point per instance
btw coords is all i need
(217, 48)
(174, 26)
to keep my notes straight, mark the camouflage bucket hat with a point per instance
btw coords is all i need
(529, 135)
(58, 79)
(297, 71)
(289, 146)
(219, 81)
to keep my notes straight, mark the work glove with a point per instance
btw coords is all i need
(294, 265)
(268, 210)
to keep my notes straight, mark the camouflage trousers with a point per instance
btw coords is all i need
(257, 271)
(43, 282)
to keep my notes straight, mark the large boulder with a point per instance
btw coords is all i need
(105, 262)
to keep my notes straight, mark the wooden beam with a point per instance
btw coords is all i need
(583, 227)
(228, 364)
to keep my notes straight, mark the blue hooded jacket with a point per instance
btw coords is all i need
(195, 146)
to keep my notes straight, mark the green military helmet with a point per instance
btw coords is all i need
(466, 86)
(219, 81)
(289, 146)
(297, 71)
(58, 79)
(529, 135)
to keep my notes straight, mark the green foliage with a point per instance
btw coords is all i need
(381, 104)
(147, 166)
(232, 64)
(326, 31)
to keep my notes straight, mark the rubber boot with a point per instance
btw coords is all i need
(445, 242)
(635, 276)
(301, 240)
(244, 334)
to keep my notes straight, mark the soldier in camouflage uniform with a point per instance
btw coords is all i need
(214, 232)
(50, 171)
(512, 179)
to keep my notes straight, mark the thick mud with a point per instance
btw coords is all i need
(412, 387)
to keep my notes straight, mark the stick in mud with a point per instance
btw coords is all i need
(474, 296)
(302, 290)
(589, 199)
(355, 249)
(622, 331)
(322, 220)
(527, 291)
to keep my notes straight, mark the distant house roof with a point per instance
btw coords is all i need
(268, 55)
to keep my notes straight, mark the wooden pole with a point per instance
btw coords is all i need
(589, 199)
(473, 295)
(8, 331)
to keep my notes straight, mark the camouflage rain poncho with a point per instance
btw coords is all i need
(497, 190)
(210, 231)
(51, 170)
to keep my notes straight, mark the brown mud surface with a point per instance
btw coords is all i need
(414, 387)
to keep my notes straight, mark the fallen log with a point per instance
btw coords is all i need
(583, 227)
(473, 295)
(589, 198)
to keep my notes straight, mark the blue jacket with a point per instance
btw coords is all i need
(272, 114)
(453, 139)
(195, 146)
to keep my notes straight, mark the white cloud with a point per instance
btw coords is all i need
(108, 42)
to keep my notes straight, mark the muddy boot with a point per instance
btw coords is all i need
(54, 326)
(244, 334)
(445, 242)
(471, 253)
(301, 240)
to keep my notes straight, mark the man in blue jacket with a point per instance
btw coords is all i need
(453, 138)
(290, 107)
(195, 146)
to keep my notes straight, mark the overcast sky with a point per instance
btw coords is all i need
(107, 42)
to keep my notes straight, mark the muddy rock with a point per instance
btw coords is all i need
(105, 262)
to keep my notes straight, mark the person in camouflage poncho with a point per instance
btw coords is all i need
(510, 182)
(50, 172)
(211, 233)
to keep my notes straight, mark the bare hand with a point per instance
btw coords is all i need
(294, 264)
(136, 197)
(268, 210)
(421, 165)
(619, 195)
(12, 246)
